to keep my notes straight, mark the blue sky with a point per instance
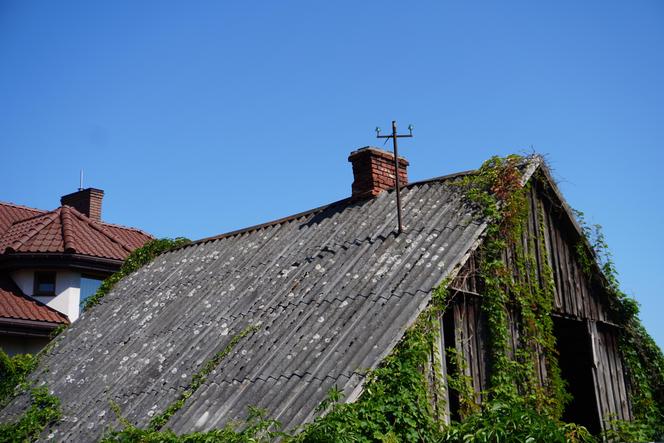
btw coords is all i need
(197, 118)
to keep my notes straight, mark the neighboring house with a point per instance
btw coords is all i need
(51, 261)
(332, 291)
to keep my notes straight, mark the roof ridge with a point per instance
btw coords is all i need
(275, 222)
(99, 228)
(67, 236)
(32, 217)
(289, 218)
(49, 217)
(128, 228)
(14, 205)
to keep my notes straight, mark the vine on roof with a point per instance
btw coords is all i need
(14, 371)
(403, 398)
(138, 258)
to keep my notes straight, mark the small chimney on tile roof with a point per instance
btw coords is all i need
(86, 201)
(373, 171)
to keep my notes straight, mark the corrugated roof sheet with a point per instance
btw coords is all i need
(333, 290)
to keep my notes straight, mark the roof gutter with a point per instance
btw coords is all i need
(58, 260)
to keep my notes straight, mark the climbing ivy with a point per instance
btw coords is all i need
(396, 403)
(13, 374)
(518, 406)
(257, 428)
(403, 398)
(44, 409)
(138, 258)
(14, 370)
(642, 358)
(198, 379)
(399, 403)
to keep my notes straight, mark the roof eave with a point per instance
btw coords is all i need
(28, 328)
(59, 260)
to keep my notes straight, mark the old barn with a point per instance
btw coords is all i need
(328, 294)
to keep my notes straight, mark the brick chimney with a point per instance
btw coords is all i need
(86, 201)
(373, 171)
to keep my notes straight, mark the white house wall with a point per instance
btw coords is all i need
(67, 290)
(25, 280)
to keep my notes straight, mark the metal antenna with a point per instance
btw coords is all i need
(394, 136)
(80, 181)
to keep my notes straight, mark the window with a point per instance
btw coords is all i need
(89, 286)
(44, 284)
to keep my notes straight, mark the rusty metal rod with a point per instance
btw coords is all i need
(396, 173)
(394, 137)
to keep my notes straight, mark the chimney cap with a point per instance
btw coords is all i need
(84, 190)
(372, 150)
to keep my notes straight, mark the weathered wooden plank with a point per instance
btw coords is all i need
(550, 258)
(602, 345)
(600, 394)
(444, 403)
(537, 235)
(480, 343)
(564, 273)
(617, 375)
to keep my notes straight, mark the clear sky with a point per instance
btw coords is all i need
(197, 118)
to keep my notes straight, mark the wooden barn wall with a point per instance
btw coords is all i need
(610, 392)
(574, 294)
(575, 297)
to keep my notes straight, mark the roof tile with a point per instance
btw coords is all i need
(64, 230)
(16, 305)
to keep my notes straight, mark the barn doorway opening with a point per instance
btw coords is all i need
(576, 365)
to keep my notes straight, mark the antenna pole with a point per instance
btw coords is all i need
(396, 175)
(394, 136)
(80, 181)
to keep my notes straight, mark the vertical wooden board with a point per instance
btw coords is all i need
(585, 295)
(480, 335)
(564, 272)
(571, 276)
(605, 362)
(617, 376)
(578, 300)
(620, 379)
(440, 349)
(462, 338)
(621, 402)
(555, 263)
(470, 341)
(595, 304)
(539, 240)
(598, 379)
(557, 303)
(544, 373)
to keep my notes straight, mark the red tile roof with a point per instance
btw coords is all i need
(14, 304)
(64, 230)
(11, 213)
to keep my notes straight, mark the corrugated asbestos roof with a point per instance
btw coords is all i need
(333, 290)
